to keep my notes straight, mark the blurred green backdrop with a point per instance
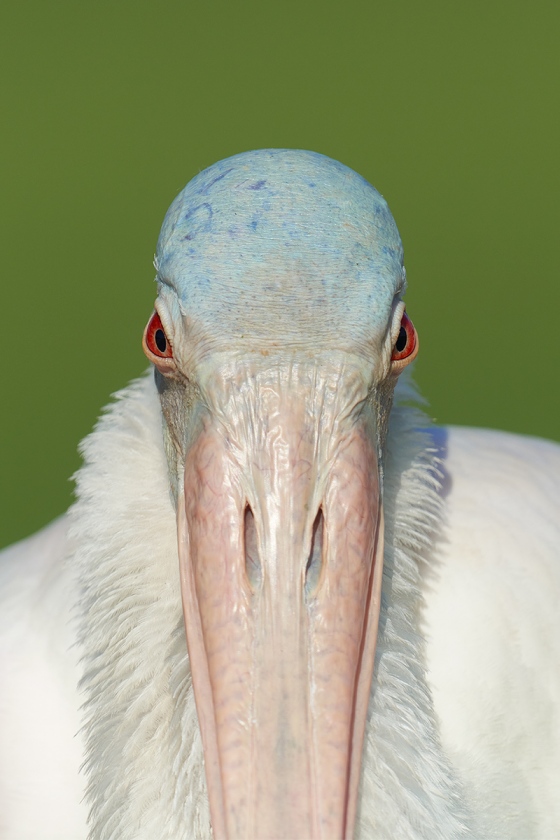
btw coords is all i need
(108, 108)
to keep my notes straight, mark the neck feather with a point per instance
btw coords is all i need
(143, 747)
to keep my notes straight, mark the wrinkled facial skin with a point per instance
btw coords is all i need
(280, 278)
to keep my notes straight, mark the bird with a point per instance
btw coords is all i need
(285, 605)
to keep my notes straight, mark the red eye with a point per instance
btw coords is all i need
(407, 340)
(156, 340)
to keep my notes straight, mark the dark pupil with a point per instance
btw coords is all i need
(161, 340)
(399, 346)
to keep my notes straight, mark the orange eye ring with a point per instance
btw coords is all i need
(407, 341)
(155, 339)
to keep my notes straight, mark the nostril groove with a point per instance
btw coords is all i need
(252, 562)
(315, 559)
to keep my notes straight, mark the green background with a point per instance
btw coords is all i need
(450, 108)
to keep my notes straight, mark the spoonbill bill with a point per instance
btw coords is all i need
(284, 606)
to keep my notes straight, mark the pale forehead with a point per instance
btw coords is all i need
(283, 245)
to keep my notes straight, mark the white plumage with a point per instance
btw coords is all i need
(490, 590)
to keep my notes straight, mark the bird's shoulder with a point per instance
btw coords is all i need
(34, 582)
(501, 516)
(40, 751)
(493, 465)
(492, 624)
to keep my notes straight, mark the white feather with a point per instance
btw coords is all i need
(456, 529)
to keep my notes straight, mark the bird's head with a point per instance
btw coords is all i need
(278, 334)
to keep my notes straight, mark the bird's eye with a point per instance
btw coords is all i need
(406, 344)
(155, 339)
